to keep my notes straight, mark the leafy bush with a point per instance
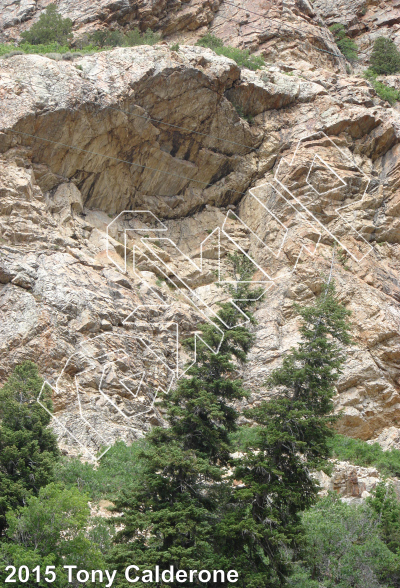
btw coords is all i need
(55, 56)
(344, 548)
(210, 41)
(107, 38)
(52, 529)
(346, 45)
(385, 57)
(385, 92)
(50, 28)
(117, 469)
(241, 56)
(175, 47)
(362, 453)
(135, 37)
(117, 39)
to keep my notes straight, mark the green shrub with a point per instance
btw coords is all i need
(241, 56)
(210, 41)
(135, 37)
(117, 39)
(346, 45)
(50, 28)
(117, 469)
(175, 47)
(385, 92)
(13, 53)
(362, 453)
(107, 38)
(344, 547)
(240, 111)
(385, 57)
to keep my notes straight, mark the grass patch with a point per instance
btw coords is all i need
(118, 469)
(361, 453)
(242, 56)
(28, 49)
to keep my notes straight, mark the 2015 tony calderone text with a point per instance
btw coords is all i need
(132, 574)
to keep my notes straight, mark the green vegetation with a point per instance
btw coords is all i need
(385, 60)
(52, 36)
(41, 523)
(117, 469)
(7, 50)
(132, 38)
(184, 499)
(51, 530)
(346, 45)
(385, 92)
(196, 514)
(362, 453)
(385, 57)
(175, 47)
(241, 56)
(210, 41)
(28, 449)
(291, 438)
(50, 28)
(183, 484)
(345, 545)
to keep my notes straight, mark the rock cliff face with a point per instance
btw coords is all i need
(297, 164)
(288, 29)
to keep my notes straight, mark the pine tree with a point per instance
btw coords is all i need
(50, 28)
(170, 514)
(385, 57)
(28, 449)
(262, 516)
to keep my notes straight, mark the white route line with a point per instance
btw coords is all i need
(338, 209)
(90, 359)
(205, 310)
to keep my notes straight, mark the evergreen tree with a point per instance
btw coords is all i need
(28, 449)
(50, 28)
(385, 57)
(262, 517)
(169, 515)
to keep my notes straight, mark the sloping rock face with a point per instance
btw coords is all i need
(364, 20)
(304, 180)
(286, 29)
